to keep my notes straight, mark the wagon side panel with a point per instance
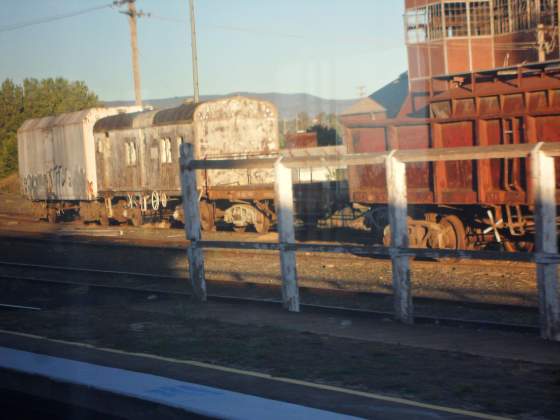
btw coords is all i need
(367, 182)
(418, 175)
(237, 128)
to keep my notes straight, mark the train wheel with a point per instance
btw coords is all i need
(155, 201)
(262, 224)
(51, 215)
(239, 229)
(136, 218)
(454, 236)
(104, 219)
(207, 222)
(519, 246)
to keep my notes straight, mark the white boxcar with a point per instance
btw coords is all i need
(57, 155)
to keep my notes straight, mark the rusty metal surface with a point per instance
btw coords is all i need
(301, 140)
(236, 127)
(464, 36)
(515, 105)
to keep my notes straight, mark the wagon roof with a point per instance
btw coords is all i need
(183, 113)
(72, 118)
(68, 118)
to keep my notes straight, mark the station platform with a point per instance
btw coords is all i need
(126, 385)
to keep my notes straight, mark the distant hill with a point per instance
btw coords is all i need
(289, 104)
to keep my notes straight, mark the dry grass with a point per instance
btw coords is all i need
(10, 184)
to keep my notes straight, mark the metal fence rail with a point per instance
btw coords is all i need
(542, 187)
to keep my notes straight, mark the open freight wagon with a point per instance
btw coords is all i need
(468, 204)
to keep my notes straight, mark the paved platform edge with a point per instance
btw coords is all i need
(319, 396)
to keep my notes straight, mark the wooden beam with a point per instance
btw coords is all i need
(192, 223)
(396, 190)
(284, 202)
(543, 180)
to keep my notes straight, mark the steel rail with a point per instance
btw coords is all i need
(312, 308)
(334, 250)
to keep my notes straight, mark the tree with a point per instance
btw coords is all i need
(303, 121)
(332, 121)
(320, 119)
(35, 99)
(325, 136)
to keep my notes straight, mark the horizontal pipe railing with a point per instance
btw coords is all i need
(543, 186)
(295, 160)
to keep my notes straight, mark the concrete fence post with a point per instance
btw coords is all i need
(284, 201)
(543, 180)
(396, 190)
(192, 223)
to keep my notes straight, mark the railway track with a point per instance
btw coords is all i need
(125, 237)
(140, 286)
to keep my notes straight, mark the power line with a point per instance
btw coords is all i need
(40, 21)
(267, 32)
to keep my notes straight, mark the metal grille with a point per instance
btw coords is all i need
(520, 15)
(549, 12)
(501, 17)
(456, 19)
(480, 17)
(435, 22)
(416, 23)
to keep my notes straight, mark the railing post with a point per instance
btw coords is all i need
(543, 179)
(284, 200)
(192, 223)
(396, 190)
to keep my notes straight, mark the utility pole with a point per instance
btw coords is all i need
(194, 53)
(132, 16)
(361, 91)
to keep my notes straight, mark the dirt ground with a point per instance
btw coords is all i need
(349, 281)
(492, 282)
(10, 184)
(173, 327)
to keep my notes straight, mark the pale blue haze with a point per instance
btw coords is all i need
(323, 47)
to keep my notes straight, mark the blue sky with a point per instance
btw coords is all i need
(323, 47)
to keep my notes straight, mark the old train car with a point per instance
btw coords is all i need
(468, 204)
(138, 161)
(57, 161)
(479, 73)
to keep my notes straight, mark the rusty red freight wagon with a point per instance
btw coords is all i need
(463, 204)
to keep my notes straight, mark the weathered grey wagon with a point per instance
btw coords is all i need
(57, 166)
(137, 159)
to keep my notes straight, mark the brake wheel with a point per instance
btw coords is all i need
(262, 224)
